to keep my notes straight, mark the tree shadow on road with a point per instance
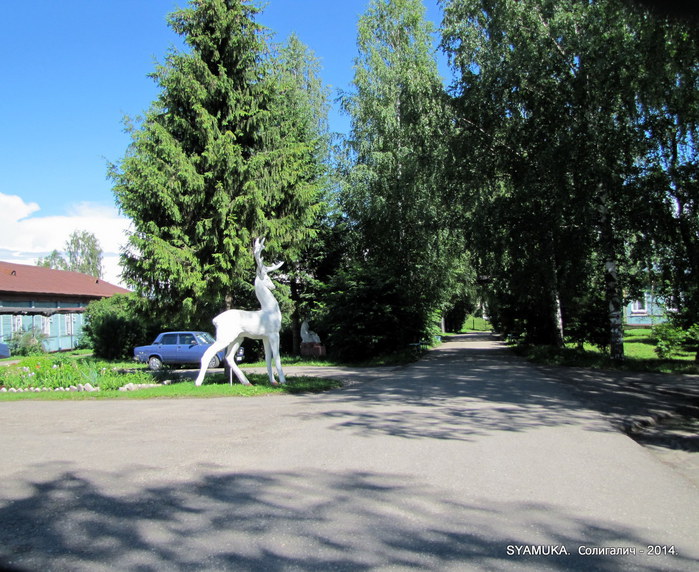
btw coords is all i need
(461, 393)
(309, 520)
(652, 408)
(458, 394)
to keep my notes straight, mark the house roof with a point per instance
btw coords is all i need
(24, 279)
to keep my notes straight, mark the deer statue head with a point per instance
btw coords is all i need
(262, 270)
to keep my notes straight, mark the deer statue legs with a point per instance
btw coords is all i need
(232, 365)
(271, 344)
(216, 347)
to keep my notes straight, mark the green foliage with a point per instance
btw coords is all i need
(303, 107)
(221, 157)
(475, 323)
(368, 315)
(27, 342)
(574, 158)
(456, 314)
(359, 316)
(114, 326)
(60, 371)
(397, 274)
(671, 340)
(639, 357)
(587, 322)
(54, 260)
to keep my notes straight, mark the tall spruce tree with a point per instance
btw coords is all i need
(211, 166)
(303, 108)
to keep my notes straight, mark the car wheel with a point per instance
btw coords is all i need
(214, 362)
(155, 363)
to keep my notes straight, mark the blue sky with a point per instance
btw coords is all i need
(72, 69)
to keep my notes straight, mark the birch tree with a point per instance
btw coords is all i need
(548, 92)
(392, 196)
(81, 253)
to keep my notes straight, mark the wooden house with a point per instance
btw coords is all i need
(52, 301)
(646, 311)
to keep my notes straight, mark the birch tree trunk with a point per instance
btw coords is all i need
(611, 281)
(554, 293)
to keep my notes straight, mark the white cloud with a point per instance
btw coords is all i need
(24, 236)
(12, 207)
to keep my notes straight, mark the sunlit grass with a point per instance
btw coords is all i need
(214, 386)
(476, 324)
(63, 370)
(639, 355)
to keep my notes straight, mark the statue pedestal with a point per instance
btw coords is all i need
(312, 349)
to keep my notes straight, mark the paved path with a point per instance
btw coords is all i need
(470, 459)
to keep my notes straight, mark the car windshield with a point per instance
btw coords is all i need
(205, 338)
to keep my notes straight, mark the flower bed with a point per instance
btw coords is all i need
(61, 373)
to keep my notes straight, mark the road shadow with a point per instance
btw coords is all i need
(457, 392)
(310, 520)
(652, 408)
(473, 385)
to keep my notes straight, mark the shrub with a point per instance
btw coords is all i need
(692, 340)
(587, 321)
(27, 342)
(367, 315)
(114, 326)
(669, 339)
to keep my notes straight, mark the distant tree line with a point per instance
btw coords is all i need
(81, 253)
(553, 179)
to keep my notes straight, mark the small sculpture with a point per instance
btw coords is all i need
(234, 325)
(308, 336)
(310, 342)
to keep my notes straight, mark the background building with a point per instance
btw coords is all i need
(647, 311)
(53, 301)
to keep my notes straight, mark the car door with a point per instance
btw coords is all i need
(188, 350)
(168, 348)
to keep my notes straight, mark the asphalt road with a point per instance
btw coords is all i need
(470, 459)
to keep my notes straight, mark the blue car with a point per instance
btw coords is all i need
(180, 348)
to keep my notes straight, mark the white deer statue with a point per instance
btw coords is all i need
(264, 324)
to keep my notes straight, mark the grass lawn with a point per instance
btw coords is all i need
(186, 389)
(475, 324)
(639, 355)
(62, 370)
(79, 368)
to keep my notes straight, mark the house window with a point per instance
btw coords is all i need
(68, 318)
(5, 327)
(639, 306)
